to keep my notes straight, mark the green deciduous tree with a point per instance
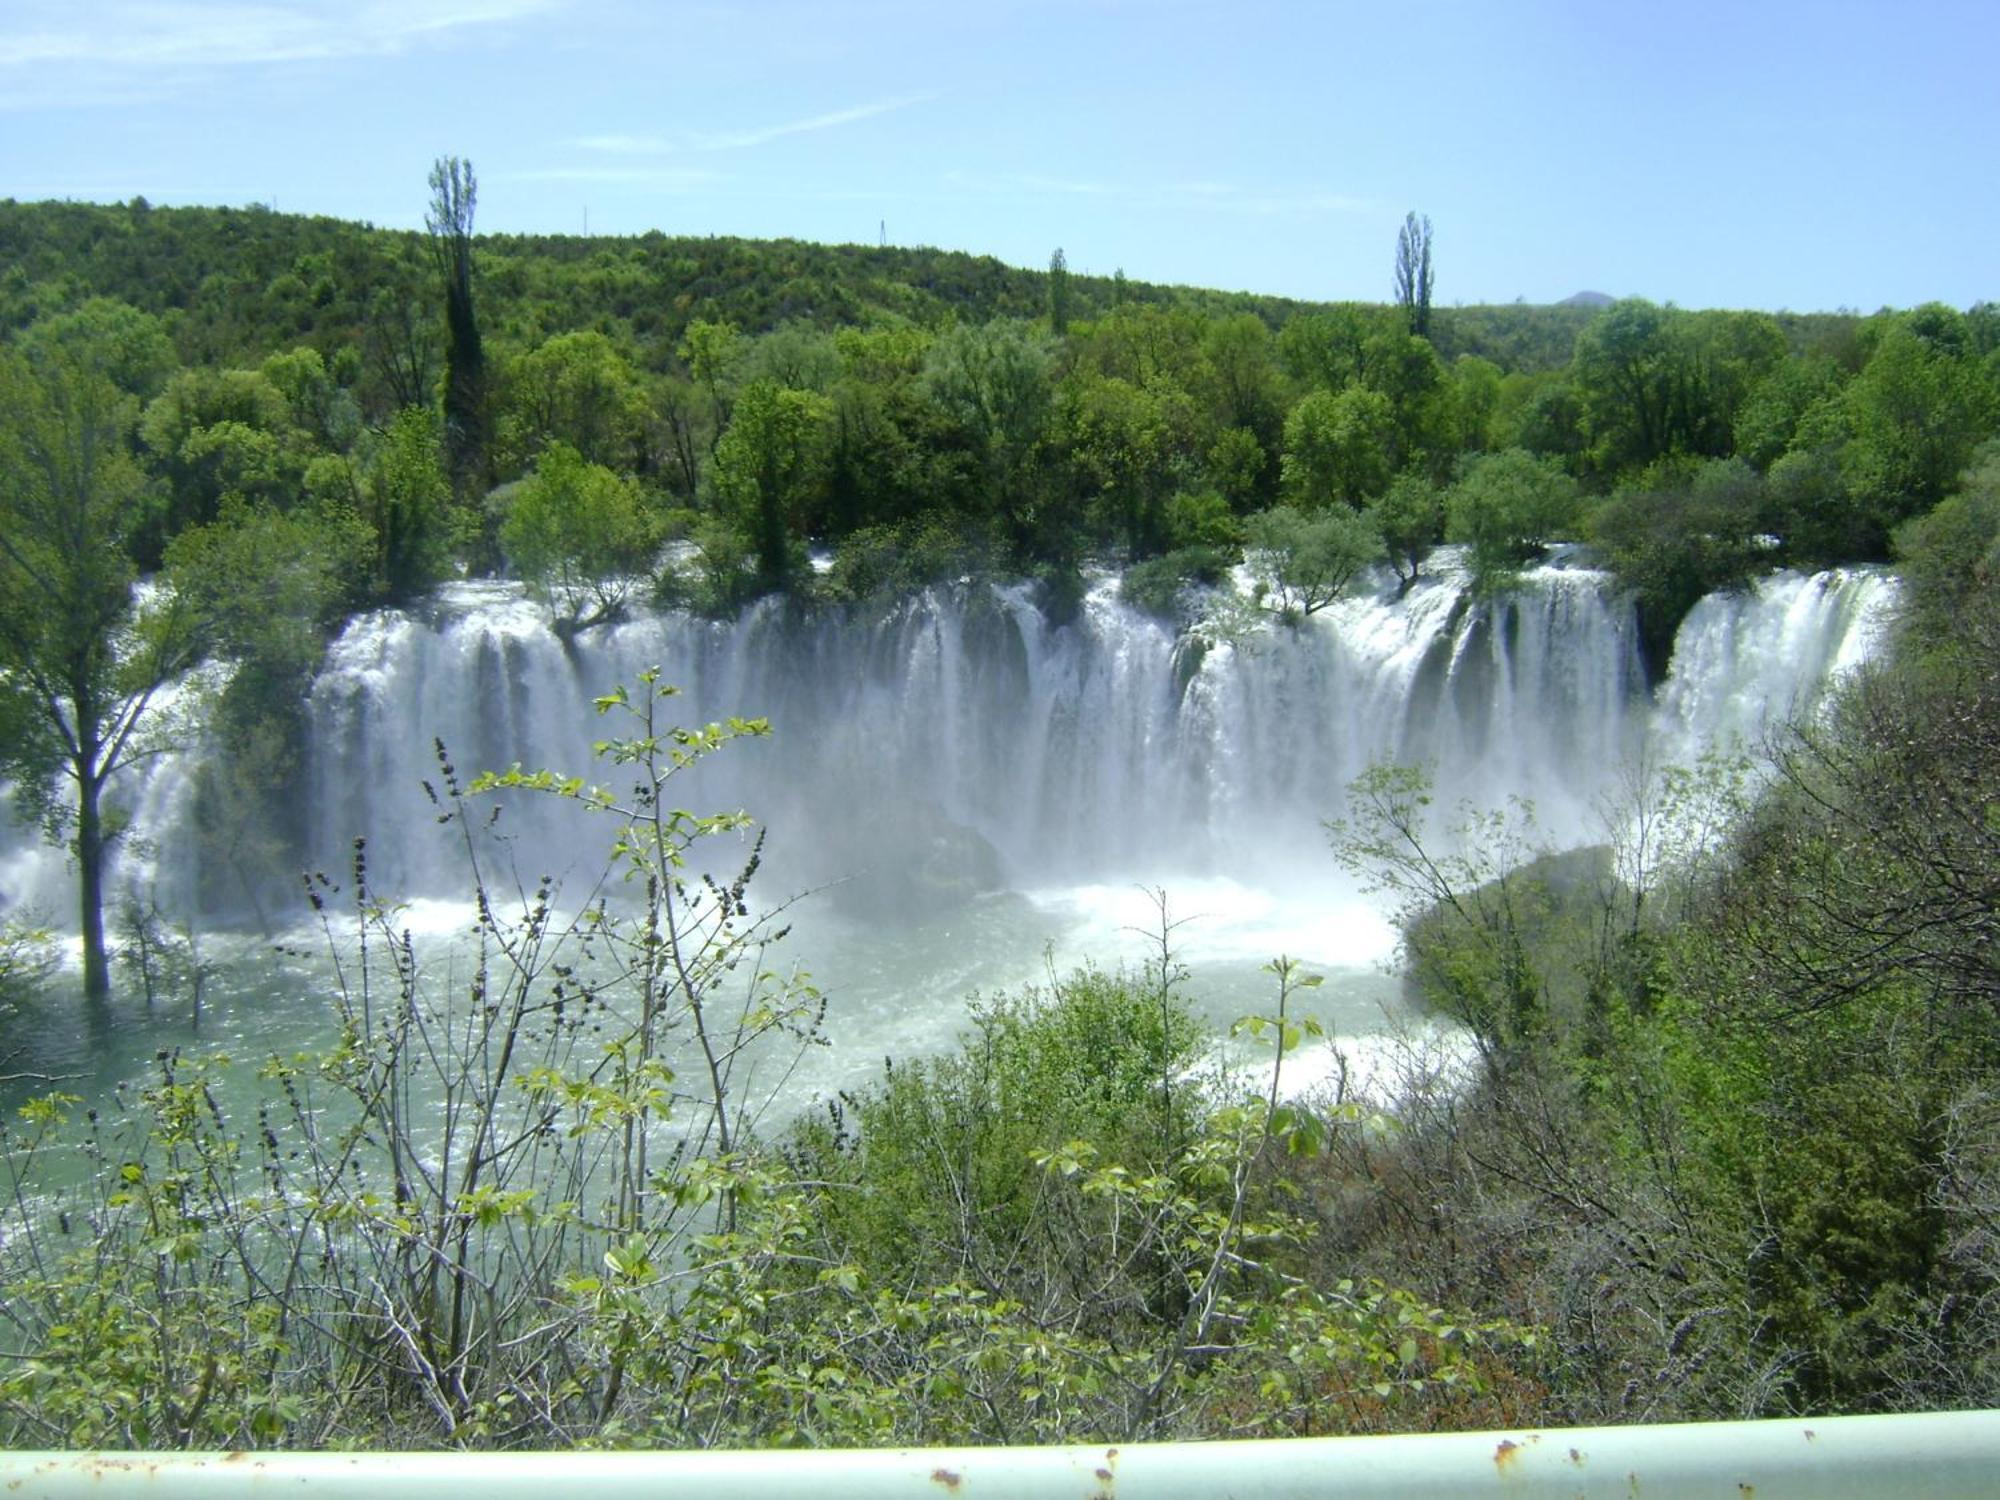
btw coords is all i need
(85, 657)
(1240, 467)
(1950, 561)
(1916, 411)
(891, 457)
(400, 344)
(711, 351)
(1505, 507)
(1331, 349)
(1406, 371)
(994, 384)
(1810, 505)
(1338, 448)
(320, 405)
(404, 493)
(1309, 560)
(793, 354)
(1677, 534)
(211, 434)
(1549, 420)
(1472, 405)
(1059, 293)
(267, 586)
(1156, 348)
(580, 536)
(1631, 382)
(1655, 381)
(769, 467)
(1242, 395)
(1769, 420)
(129, 347)
(1410, 516)
(578, 389)
(1121, 437)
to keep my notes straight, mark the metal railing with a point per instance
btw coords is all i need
(1919, 1457)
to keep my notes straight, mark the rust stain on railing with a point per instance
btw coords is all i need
(1938, 1456)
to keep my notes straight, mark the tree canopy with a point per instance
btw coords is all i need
(86, 657)
(910, 415)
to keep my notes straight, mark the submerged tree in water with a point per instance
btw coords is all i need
(83, 658)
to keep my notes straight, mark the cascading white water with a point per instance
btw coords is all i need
(960, 744)
(1101, 750)
(1745, 662)
(152, 800)
(961, 740)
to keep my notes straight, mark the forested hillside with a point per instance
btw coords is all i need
(291, 418)
(893, 398)
(249, 281)
(1724, 1146)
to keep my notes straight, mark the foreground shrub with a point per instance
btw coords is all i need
(524, 1206)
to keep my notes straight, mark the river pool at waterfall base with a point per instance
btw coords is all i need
(971, 798)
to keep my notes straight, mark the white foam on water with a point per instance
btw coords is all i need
(960, 744)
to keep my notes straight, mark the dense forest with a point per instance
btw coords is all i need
(1725, 1146)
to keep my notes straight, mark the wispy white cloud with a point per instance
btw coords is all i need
(1301, 203)
(629, 145)
(673, 179)
(739, 140)
(29, 93)
(1218, 197)
(229, 33)
(1035, 182)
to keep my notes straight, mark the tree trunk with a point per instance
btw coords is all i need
(90, 865)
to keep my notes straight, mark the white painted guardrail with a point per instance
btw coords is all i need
(1918, 1457)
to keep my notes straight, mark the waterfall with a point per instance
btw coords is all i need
(153, 859)
(962, 735)
(1099, 750)
(1745, 662)
(977, 795)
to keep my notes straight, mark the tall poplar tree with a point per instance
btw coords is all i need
(454, 196)
(1413, 272)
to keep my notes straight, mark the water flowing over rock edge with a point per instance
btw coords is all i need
(958, 743)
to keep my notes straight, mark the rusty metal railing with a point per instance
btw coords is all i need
(1938, 1456)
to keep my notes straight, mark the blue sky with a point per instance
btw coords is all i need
(1761, 153)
